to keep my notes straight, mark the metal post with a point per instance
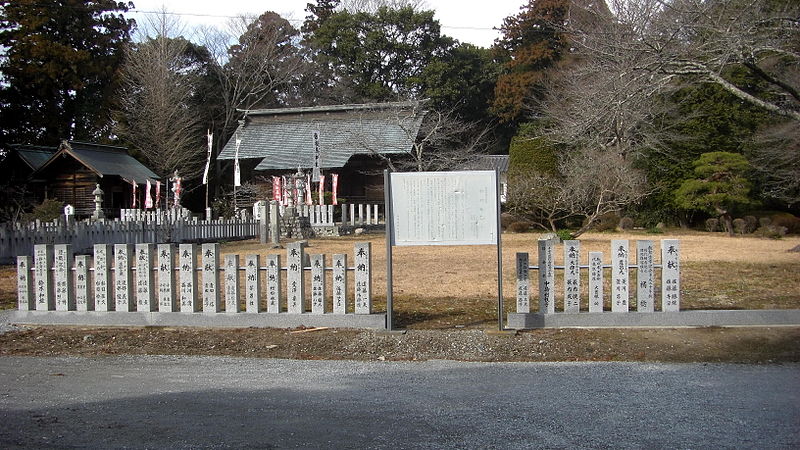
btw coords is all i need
(500, 305)
(387, 188)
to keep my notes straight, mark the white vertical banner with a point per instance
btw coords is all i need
(133, 199)
(208, 157)
(148, 198)
(322, 189)
(334, 188)
(317, 156)
(158, 194)
(237, 176)
(308, 199)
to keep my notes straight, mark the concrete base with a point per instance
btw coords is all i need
(209, 320)
(704, 318)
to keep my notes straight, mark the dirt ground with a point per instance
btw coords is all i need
(445, 303)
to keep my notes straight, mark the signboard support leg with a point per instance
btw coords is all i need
(500, 305)
(389, 219)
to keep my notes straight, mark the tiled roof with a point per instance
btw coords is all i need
(282, 138)
(33, 155)
(108, 160)
(488, 162)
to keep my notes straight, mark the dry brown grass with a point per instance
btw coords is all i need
(455, 286)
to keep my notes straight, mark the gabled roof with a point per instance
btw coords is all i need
(33, 155)
(282, 138)
(488, 162)
(104, 160)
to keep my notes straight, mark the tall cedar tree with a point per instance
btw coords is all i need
(59, 74)
(532, 42)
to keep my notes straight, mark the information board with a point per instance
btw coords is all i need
(444, 208)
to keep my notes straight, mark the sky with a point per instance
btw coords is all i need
(467, 21)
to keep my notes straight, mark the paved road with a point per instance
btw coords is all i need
(211, 402)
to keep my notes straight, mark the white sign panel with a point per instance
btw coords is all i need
(444, 208)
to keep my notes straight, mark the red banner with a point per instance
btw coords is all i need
(276, 189)
(335, 188)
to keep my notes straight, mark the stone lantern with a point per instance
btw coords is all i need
(98, 203)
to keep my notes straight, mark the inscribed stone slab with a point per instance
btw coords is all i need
(62, 260)
(595, 281)
(232, 284)
(252, 284)
(166, 279)
(83, 292)
(547, 299)
(25, 294)
(572, 276)
(363, 278)
(210, 274)
(318, 284)
(339, 284)
(145, 290)
(670, 275)
(295, 286)
(274, 284)
(187, 276)
(523, 283)
(645, 294)
(619, 275)
(102, 278)
(123, 289)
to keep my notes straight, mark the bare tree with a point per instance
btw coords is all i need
(698, 40)
(256, 59)
(157, 116)
(776, 158)
(438, 140)
(371, 6)
(589, 184)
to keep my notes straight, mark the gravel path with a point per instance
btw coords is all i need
(217, 402)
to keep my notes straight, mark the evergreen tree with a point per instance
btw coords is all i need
(59, 74)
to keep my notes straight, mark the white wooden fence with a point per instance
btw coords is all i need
(17, 239)
(170, 279)
(574, 273)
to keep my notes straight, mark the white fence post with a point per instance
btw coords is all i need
(318, 284)
(252, 284)
(145, 292)
(188, 277)
(211, 300)
(123, 299)
(166, 279)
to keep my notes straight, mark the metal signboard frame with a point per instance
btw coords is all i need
(442, 208)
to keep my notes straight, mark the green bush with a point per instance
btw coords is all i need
(531, 154)
(50, 209)
(564, 235)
